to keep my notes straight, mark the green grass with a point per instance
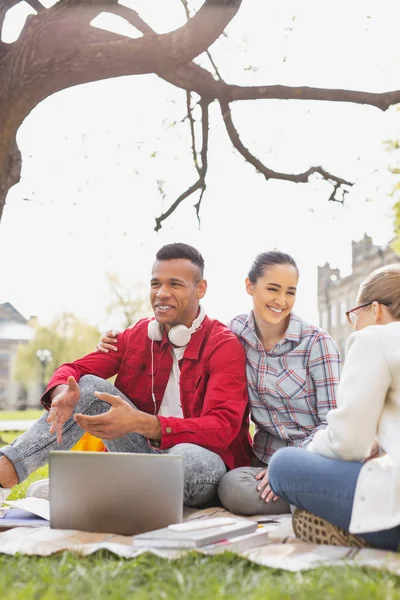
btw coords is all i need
(225, 577)
(20, 415)
(67, 576)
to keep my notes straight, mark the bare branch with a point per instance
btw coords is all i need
(304, 177)
(210, 58)
(192, 130)
(192, 77)
(195, 78)
(204, 153)
(11, 172)
(36, 5)
(196, 186)
(200, 184)
(382, 100)
(130, 15)
(186, 9)
(5, 6)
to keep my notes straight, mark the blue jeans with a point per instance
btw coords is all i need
(202, 468)
(324, 487)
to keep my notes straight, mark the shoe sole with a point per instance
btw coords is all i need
(310, 528)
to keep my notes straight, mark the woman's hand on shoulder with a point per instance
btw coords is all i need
(108, 341)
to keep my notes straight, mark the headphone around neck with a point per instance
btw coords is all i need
(180, 334)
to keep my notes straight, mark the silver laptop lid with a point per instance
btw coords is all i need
(115, 492)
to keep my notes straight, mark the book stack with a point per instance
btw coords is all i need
(209, 534)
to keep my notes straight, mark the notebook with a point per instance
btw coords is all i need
(168, 538)
(25, 512)
(17, 517)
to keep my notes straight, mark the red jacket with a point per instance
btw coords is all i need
(212, 386)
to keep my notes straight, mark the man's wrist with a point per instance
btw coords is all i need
(147, 425)
(57, 390)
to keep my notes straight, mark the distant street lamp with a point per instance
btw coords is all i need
(44, 357)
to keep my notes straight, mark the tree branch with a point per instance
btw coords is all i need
(132, 17)
(195, 78)
(64, 50)
(210, 58)
(304, 177)
(36, 5)
(5, 6)
(205, 125)
(382, 100)
(200, 184)
(191, 77)
(192, 130)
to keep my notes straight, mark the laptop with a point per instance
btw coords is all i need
(115, 492)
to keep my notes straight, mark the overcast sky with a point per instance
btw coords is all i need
(93, 154)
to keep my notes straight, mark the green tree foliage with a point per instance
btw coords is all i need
(129, 302)
(67, 338)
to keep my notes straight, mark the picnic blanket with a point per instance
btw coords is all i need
(281, 551)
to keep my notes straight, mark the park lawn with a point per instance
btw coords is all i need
(224, 577)
(196, 577)
(21, 415)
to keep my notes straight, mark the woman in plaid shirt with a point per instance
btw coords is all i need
(293, 370)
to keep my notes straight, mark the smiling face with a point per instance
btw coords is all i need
(175, 291)
(274, 293)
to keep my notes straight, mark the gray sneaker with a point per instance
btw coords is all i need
(39, 489)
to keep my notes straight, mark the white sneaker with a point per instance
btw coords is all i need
(39, 489)
(4, 493)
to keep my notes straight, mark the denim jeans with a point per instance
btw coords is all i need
(202, 468)
(324, 487)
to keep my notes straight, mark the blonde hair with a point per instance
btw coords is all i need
(383, 285)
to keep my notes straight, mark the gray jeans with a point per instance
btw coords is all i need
(238, 493)
(202, 468)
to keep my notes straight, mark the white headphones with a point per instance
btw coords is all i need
(180, 334)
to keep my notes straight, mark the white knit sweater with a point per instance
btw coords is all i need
(369, 409)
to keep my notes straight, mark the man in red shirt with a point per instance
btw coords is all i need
(180, 388)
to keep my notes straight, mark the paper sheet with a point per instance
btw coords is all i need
(36, 506)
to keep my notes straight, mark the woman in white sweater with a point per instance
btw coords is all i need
(347, 483)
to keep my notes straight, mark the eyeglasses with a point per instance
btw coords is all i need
(352, 315)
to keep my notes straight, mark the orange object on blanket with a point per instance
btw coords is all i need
(89, 443)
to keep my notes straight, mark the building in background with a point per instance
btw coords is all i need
(337, 294)
(14, 330)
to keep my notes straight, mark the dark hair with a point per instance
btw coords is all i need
(268, 259)
(181, 250)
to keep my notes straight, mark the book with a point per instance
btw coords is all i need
(26, 512)
(16, 517)
(241, 543)
(194, 538)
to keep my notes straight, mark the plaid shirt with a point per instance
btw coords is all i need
(292, 387)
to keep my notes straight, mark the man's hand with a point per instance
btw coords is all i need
(107, 341)
(120, 420)
(266, 493)
(62, 406)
